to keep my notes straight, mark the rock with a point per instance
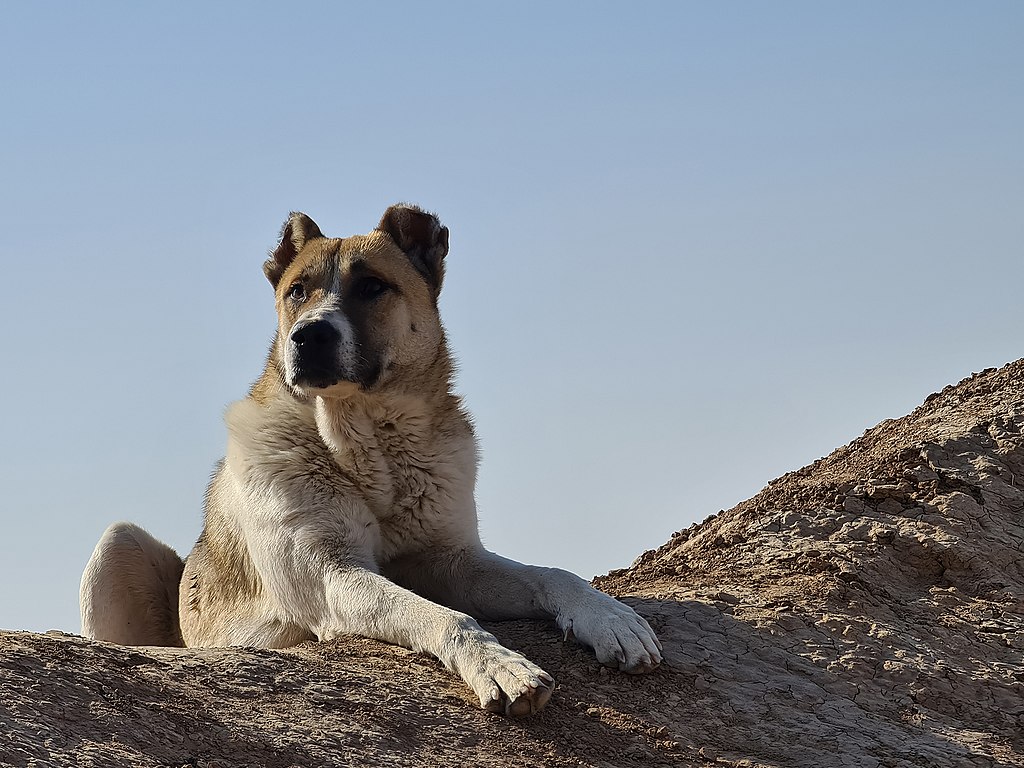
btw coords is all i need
(867, 610)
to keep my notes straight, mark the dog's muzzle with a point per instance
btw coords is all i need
(315, 351)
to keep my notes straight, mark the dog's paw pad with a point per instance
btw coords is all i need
(510, 684)
(529, 702)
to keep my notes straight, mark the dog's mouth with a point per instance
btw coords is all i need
(318, 376)
(328, 382)
(313, 381)
(316, 382)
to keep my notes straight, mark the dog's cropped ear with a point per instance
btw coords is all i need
(296, 232)
(420, 235)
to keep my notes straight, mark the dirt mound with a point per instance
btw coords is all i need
(863, 611)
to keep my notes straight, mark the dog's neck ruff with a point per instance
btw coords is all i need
(363, 421)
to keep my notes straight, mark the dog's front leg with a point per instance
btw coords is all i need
(365, 603)
(489, 586)
(341, 597)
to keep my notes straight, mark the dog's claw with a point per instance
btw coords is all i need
(567, 635)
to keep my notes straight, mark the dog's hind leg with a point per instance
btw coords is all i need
(129, 592)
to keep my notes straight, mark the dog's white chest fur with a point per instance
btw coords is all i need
(415, 473)
(390, 457)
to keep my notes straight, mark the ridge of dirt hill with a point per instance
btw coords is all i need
(867, 610)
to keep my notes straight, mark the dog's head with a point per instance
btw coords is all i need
(358, 312)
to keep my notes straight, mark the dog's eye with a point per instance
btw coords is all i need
(297, 292)
(371, 288)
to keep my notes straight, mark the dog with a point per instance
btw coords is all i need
(345, 502)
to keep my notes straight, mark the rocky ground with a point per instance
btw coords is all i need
(867, 610)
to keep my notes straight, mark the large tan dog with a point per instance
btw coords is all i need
(345, 503)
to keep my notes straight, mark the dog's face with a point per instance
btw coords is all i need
(358, 312)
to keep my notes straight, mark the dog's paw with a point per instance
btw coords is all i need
(621, 638)
(516, 690)
(505, 681)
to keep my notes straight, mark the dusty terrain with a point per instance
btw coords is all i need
(867, 610)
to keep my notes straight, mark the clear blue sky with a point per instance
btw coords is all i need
(693, 245)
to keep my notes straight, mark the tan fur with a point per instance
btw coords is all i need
(345, 502)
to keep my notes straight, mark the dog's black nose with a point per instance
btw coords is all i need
(316, 335)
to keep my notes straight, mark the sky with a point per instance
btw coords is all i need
(693, 245)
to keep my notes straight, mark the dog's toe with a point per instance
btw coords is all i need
(621, 639)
